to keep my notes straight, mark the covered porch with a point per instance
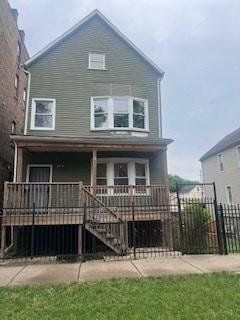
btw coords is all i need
(106, 211)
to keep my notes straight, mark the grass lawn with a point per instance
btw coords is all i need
(205, 296)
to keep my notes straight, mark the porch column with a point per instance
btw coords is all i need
(5, 204)
(94, 171)
(19, 164)
(167, 221)
(80, 243)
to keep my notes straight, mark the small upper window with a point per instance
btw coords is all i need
(43, 114)
(238, 156)
(18, 51)
(24, 94)
(16, 84)
(220, 162)
(96, 61)
(13, 127)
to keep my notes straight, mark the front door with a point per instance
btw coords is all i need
(39, 194)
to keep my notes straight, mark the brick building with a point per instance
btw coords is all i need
(13, 82)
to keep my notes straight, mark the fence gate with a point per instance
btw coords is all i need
(200, 227)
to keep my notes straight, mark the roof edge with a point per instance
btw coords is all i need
(96, 12)
(96, 139)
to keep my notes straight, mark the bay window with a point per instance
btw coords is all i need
(119, 113)
(122, 172)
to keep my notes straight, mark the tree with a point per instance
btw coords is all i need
(174, 178)
(190, 236)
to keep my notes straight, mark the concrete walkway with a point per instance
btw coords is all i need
(94, 270)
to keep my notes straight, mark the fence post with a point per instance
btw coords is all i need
(84, 230)
(134, 230)
(218, 222)
(33, 227)
(180, 223)
(225, 249)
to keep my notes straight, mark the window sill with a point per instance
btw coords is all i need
(120, 130)
(97, 69)
(42, 129)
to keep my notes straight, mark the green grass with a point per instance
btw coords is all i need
(205, 296)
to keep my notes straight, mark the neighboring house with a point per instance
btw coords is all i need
(93, 115)
(221, 164)
(191, 192)
(187, 193)
(12, 88)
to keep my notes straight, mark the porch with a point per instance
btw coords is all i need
(106, 212)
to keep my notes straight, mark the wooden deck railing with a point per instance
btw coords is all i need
(66, 197)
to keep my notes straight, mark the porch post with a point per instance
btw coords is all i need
(19, 169)
(94, 171)
(19, 165)
(80, 243)
(168, 220)
(5, 204)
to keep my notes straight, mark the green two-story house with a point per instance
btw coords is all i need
(92, 122)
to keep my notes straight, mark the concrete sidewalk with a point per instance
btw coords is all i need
(94, 270)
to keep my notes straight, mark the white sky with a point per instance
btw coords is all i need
(196, 43)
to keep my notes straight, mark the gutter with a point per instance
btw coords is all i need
(15, 162)
(159, 106)
(27, 100)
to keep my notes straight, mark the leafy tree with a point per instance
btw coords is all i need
(174, 178)
(194, 228)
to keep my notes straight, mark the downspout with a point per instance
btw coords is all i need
(159, 106)
(14, 180)
(27, 100)
(15, 162)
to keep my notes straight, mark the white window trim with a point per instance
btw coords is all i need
(111, 114)
(90, 60)
(219, 156)
(32, 127)
(228, 200)
(131, 169)
(41, 166)
(238, 155)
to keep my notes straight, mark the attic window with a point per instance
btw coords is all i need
(96, 61)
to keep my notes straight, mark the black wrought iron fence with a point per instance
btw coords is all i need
(230, 227)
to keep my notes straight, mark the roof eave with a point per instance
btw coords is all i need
(78, 25)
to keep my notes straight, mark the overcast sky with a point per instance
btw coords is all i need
(195, 42)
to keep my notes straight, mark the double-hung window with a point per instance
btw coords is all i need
(100, 113)
(220, 162)
(229, 195)
(43, 114)
(119, 113)
(96, 61)
(122, 171)
(238, 156)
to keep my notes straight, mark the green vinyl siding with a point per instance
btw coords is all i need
(63, 74)
(77, 165)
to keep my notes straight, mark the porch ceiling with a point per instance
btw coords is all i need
(86, 144)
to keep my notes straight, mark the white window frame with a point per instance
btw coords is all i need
(41, 166)
(16, 85)
(220, 159)
(131, 169)
(228, 190)
(90, 60)
(110, 108)
(238, 155)
(34, 100)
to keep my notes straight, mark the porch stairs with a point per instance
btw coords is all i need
(104, 223)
